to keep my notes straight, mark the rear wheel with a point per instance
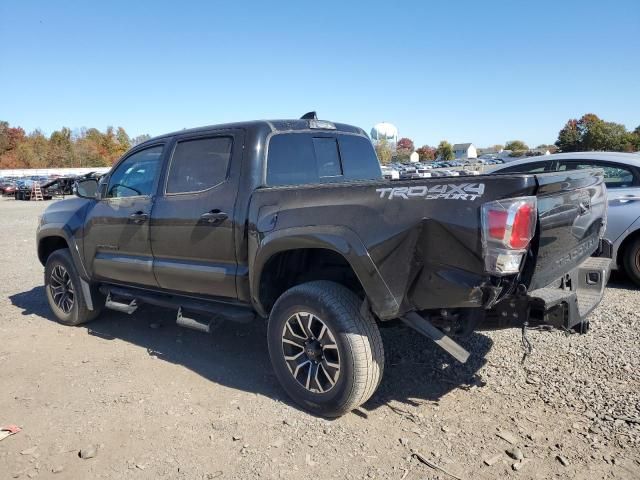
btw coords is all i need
(632, 261)
(325, 351)
(64, 291)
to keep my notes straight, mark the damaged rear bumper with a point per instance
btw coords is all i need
(565, 304)
(569, 308)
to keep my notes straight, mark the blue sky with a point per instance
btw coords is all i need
(479, 71)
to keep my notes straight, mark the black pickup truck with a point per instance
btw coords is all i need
(291, 221)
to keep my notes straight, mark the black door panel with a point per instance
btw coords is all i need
(116, 236)
(192, 224)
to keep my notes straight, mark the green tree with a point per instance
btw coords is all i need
(33, 152)
(384, 151)
(516, 146)
(592, 133)
(123, 140)
(634, 140)
(569, 137)
(4, 136)
(61, 148)
(445, 151)
(600, 135)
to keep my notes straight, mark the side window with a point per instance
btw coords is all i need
(359, 158)
(199, 164)
(535, 167)
(136, 175)
(291, 160)
(615, 176)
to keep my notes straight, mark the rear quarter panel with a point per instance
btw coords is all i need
(423, 236)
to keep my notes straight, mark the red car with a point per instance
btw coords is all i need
(7, 189)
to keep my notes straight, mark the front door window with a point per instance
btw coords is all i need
(137, 175)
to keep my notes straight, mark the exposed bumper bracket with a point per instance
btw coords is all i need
(426, 328)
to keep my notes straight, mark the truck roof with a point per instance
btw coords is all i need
(272, 126)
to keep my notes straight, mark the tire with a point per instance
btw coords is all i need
(351, 340)
(632, 261)
(61, 270)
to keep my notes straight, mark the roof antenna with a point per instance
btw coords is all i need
(309, 116)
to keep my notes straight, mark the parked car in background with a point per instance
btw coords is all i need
(7, 188)
(408, 172)
(23, 189)
(390, 173)
(424, 171)
(622, 177)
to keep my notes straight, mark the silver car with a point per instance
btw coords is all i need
(622, 176)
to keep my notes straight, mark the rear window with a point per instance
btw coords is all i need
(301, 158)
(199, 164)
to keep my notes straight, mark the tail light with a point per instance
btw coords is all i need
(507, 229)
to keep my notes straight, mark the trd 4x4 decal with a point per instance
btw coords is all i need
(446, 191)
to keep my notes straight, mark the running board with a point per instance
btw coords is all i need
(127, 308)
(224, 311)
(425, 327)
(200, 325)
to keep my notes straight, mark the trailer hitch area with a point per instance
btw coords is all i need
(426, 328)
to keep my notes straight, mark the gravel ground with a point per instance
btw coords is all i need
(145, 399)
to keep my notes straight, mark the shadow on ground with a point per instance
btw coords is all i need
(620, 280)
(236, 356)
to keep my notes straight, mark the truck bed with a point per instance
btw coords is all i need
(422, 236)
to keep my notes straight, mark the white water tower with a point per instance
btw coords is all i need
(384, 131)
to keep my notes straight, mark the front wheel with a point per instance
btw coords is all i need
(326, 352)
(64, 292)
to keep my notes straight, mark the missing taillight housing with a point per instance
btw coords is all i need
(507, 229)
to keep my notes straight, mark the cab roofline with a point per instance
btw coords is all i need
(272, 126)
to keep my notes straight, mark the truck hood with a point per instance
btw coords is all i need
(62, 211)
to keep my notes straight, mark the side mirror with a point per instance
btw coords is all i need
(86, 188)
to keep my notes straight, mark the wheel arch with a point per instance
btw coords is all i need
(53, 237)
(48, 245)
(292, 256)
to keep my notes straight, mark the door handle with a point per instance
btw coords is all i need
(139, 217)
(213, 217)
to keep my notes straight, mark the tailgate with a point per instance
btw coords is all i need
(572, 208)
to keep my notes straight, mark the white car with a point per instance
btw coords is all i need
(390, 173)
